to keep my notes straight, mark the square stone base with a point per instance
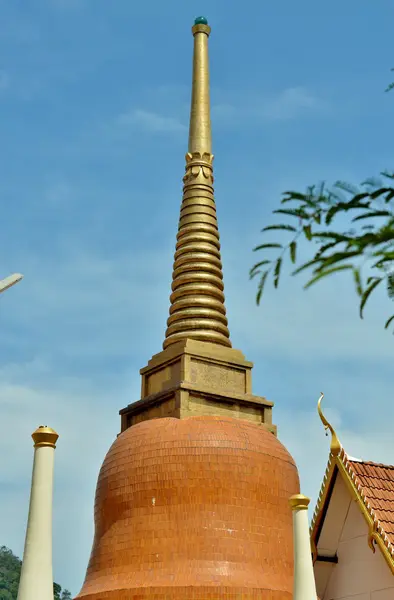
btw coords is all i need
(193, 378)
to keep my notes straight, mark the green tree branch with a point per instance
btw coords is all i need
(364, 246)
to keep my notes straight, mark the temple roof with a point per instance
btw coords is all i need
(370, 484)
(376, 485)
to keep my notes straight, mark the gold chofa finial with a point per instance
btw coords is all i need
(197, 308)
(335, 446)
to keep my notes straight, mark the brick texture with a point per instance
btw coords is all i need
(193, 509)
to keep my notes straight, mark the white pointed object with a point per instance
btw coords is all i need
(36, 581)
(304, 587)
(9, 281)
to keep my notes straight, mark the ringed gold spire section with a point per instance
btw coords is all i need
(197, 308)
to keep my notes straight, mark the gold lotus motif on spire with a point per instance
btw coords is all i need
(197, 308)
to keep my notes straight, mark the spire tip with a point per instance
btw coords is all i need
(200, 21)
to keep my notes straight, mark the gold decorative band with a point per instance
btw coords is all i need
(201, 28)
(44, 436)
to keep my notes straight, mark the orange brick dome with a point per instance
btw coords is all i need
(193, 509)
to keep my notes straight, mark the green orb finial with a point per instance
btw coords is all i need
(201, 21)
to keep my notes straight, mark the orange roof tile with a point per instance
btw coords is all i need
(375, 483)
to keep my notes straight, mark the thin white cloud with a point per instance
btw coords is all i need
(287, 104)
(151, 122)
(290, 104)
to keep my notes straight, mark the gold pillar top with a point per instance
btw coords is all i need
(44, 436)
(299, 502)
(200, 138)
(197, 308)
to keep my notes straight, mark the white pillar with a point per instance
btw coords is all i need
(304, 587)
(36, 582)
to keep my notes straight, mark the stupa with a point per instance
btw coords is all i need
(192, 499)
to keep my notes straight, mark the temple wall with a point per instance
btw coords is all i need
(360, 574)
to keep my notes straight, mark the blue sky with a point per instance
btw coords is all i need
(94, 103)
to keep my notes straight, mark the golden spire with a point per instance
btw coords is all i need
(197, 308)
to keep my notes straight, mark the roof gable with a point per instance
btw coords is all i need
(370, 484)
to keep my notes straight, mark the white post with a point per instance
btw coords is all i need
(36, 582)
(304, 587)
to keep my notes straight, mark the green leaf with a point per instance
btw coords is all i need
(387, 174)
(339, 237)
(308, 232)
(327, 261)
(293, 250)
(322, 249)
(260, 288)
(306, 265)
(293, 212)
(331, 213)
(317, 217)
(346, 187)
(346, 206)
(357, 281)
(255, 269)
(390, 196)
(283, 227)
(390, 286)
(370, 215)
(262, 246)
(289, 196)
(382, 263)
(277, 271)
(325, 273)
(380, 192)
(368, 292)
(388, 322)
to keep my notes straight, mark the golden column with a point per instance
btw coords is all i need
(36, 581)
(197, 301)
